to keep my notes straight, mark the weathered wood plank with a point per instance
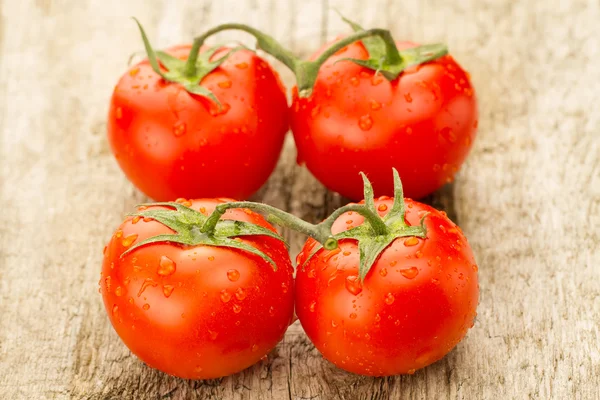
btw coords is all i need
(528, 197)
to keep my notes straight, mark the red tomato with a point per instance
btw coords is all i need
(422, 123)
(197, 312)
(171, 143)
(415, 304)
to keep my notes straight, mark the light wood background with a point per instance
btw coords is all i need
(528, 197)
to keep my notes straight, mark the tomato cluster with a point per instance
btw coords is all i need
(205, 288)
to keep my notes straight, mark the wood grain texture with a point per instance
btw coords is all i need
(528, 197)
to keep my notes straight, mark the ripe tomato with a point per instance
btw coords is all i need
(422, 123)
(171, 143)
(197, 312)
(415, 304)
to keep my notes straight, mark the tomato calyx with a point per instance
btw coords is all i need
(188, 225)
(188, 73)
(385, 58)
(377, 233)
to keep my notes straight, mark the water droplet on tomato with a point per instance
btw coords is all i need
(211, 258)
(115, 309)
(271, 311)
(353, 284)
(352, 315)
(242, 65)
(237, 308)
(107, 282)
(354, 81)
(435, 281)
(167, 290)
(233, 274)
(130, 300)
(408, 97)
(134, 71)
(224, 84)
(346, 253)
(240, 294)
(365, 122)
(383, 272)
(410, 273)
(461, 276)
(119, 113)
(315, 111)
(312, 306)
(118, 291)
(118, 233)
(166, 266)
(375, 105)
(411, 241)
(225, 296)
(377, 317)
(331, 253)
(312, 273)
(475, 268)
(147, 282)
(284, 287)
(448, 134)
(334, 324)
(127, 241)
(376, 79)
(389, 299)
(146, 306)
(348, 222)
(179, 128)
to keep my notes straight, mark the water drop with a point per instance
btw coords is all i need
(134, 71)
(352, 315)
(179, 128)
(312, 306)
(115, 309)
(130, 300)
(333, 324)
(128, 240)
(147, 282)
(448, 134)
(211, 258)
(331, 254)
(166, 266)
(233, 274)
(271, 311)
(383, 272)
(389, 299)
(237, 308)
(375, 105)
(377, 317)
(365, 122)
(119, 113)
(435, 281)
(167, 290)
(408, 98)
(419, 254)
(242, 65)
(284, 287)
(315, 111)
(411, 241)
(410, 273)
(353, 284)
(224, 84)
(146, 306)
(411, 371)
(225, 296)
(240, 294)
(212, 334)
(118, 233)
(118, 291)
(376, 80)
(312, 273)
(475, 268)
(354, 81)
(346, 253)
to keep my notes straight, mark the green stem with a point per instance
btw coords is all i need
(264, 41)
(373, 219)
(305, 71)
(276, 216)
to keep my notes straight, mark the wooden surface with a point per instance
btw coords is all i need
(528, 197)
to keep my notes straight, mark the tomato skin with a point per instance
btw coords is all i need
(416, 303)
(172, 144)
(216, 314)
(423, 124)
